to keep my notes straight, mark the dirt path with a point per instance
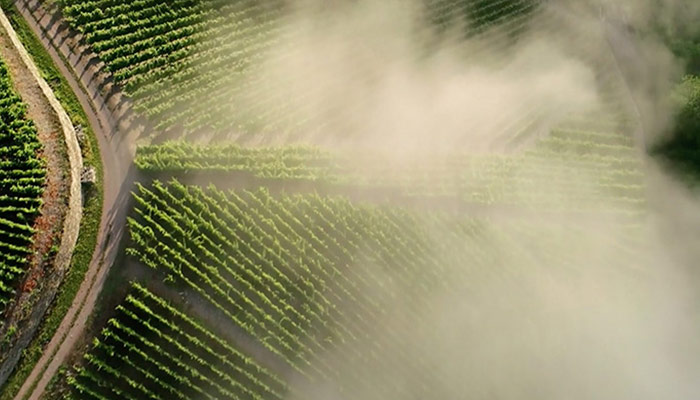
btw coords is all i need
(117, 129)
(62, 209)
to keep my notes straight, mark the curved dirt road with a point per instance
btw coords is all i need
(116, 129)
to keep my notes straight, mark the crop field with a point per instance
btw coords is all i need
(573, 170)
(185, 62)
(305, 276)
(429, 199)
(276, 260)
(22, 175)
(202, 68)
(151, 349)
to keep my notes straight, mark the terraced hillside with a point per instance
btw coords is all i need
(22, 176)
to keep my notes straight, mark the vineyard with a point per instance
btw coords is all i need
(266, 259)
(150, 349)
(22, 175)
(305, 276)
(569, 170)
(185, 62)
(290, 162)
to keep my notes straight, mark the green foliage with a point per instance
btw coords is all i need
(182, 62)
(301, 276)
(684, 147)
(174, 58)
(291, 162)
(610, 159)
(151, 349)
(22, 177)
(6, 4)
(688, 120)
(689, 51)
(487, 12)
(477, 15)
(263, 261)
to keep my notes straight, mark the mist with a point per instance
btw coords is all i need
(568, 305)
(376, 75)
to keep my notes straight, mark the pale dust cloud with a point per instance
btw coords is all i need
(589, 309)
(377, 75)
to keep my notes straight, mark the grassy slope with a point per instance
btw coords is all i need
(91, 212)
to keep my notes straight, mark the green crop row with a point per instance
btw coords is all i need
(294, 273)
(152, 350)
(184, 61)
(22, 177)
(304, 276)
(574, 170)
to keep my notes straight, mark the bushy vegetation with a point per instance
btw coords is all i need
(22, 177)
(689, 51)
(684, 147)
(688, 126)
